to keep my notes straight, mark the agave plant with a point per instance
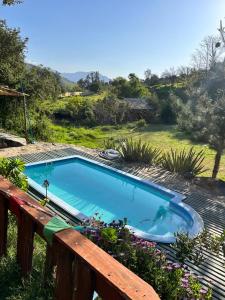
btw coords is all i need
(138, 151)
(187, 163)
(110, 143)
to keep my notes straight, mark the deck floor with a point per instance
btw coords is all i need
(210, 207)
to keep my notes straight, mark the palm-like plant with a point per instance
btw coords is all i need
(187, 163)
(138, 151)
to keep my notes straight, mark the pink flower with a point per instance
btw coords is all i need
(203, 290)
(176, 265)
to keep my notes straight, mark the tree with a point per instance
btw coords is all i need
(170, 75)
(207, 55)
(120, 87)
(217, 131)
(148, 75)
(12, 48)
(92, 82)
(41, 83)
(204, 119)
(111, 111)
(11, 2)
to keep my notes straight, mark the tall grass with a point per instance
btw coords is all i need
(188, 163)
(138, 151)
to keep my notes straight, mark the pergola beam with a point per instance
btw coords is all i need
(5, 91)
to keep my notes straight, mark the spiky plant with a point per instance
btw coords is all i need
(110, 143)
(188, 163)
(138, 151)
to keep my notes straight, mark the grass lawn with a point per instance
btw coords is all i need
(162, 136)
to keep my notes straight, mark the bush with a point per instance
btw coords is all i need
(41, 128)
(12, 169)
(138, 151)
(141, 123)
(170, 280)
(192, 248)
(187, 163)
(111, 143)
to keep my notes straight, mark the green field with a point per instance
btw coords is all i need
(162, 136)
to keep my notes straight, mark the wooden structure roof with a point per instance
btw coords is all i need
(6, 91)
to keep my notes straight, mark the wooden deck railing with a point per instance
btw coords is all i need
(81, 266)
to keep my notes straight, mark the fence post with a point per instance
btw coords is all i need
(49, 262)
(25, 241)
(84, 284)
(64, 272)
(3, 225)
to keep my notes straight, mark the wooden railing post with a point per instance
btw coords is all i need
(25, 241)
(49, 262)
(83, 281)
(3, 225)
(64, 273)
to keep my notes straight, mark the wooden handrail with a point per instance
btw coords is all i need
(82, 267)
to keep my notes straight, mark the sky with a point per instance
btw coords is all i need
(115, 37)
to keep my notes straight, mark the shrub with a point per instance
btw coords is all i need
(111, 143)
(41, 128)
(141, 123)
(12, 169)
(138, 151)
(187, 163)
(170, 280)
(192, 248)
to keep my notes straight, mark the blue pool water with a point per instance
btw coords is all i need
(91, 188)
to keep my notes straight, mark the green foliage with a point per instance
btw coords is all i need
(111, 143)
(11, 115)
(110, 110)
(187, 163)
(12, 48)
(141, 123)
(204, 119)
(168, 115)
(138, 151)
(171, 281)
(41, 83)
(92, 82)
(12, 169)
(41, 127)
(11, 2)
(77, 109)
(34, 286)
(132, 88)
(192, 249)
(109, 234)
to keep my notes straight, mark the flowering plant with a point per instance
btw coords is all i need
(170, 280)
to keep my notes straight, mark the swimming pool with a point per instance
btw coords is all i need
(83, 187)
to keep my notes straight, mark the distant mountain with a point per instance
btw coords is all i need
(66, 81)
(74, 77)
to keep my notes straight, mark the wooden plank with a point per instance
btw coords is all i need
(50, 261)
(84, 281)
(25, 240)
(3, 225)
(64, 273)
(122, 279)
